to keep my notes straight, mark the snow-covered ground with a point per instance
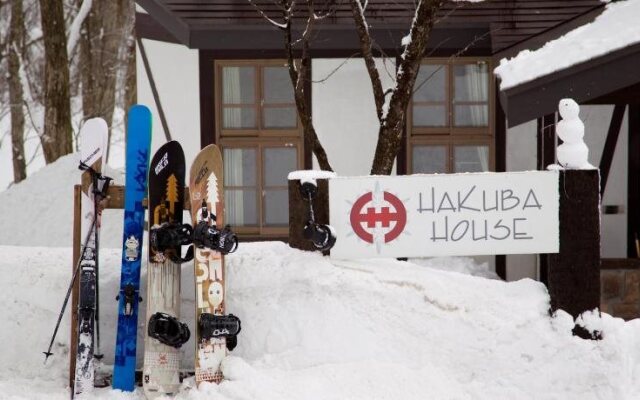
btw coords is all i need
(314, 328)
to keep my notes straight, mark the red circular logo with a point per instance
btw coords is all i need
(365, 216)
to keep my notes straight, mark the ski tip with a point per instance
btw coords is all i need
(139, 109)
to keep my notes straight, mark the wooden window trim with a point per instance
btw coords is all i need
(259, 144)
(260, 105)
(451, 143)
(451, 129)
(452, 135)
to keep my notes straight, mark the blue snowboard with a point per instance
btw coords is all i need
(137, 164)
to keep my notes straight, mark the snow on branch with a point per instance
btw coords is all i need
(279, 25)
(74, 31)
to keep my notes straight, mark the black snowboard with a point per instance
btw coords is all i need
(166, 199)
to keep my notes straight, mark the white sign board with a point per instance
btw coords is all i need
(443, 215)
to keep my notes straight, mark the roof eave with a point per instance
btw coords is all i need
(582, 82)
(175, 26)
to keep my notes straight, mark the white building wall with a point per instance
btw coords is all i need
(614, 226)
(522, 155)
(175, 72)
(344, 112)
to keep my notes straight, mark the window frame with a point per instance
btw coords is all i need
(260, 144)
(257, 138)
(451, 135)
(259, 106)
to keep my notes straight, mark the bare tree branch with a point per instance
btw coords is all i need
(366, 47)
(266, 17)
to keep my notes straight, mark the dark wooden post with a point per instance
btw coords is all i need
(299, 212)
(574, 273)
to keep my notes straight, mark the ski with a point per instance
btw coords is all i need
(137, 163)
(93, 144)
(207, 214)
(165, 334)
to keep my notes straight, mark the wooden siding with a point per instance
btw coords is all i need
(510, 21)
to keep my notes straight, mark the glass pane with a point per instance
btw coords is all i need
(240, 167)
(429, 115)
(473, 115)
(281, 117)
(238, 85)
(276, 207)
(238, 117)
(471, 158)
(241, 207)
(429, 159)
(278, 162)
(431, 83)
(471, 82)
(277, 85)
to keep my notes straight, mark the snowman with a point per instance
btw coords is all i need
(573, 152)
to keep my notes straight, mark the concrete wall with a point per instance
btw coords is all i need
(175, 71)
(344, 112)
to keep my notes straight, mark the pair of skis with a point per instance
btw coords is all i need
(166, 197)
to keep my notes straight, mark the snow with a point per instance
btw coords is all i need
(617, 27)
(573, 153)
(314, 327)
(310, 175)
(39, 210)
(74, 31)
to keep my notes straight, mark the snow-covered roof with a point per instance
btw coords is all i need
(617, 27)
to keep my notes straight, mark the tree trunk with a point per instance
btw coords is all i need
(130, 81)
(392, 125)
(56, 138)
(99, 45)
(16, 96)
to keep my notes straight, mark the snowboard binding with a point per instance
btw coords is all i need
(166, 238)
(218, 326)
(223, 241)
(322, 236)
(168, 330)
(209, 236)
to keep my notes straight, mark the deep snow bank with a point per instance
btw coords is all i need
(314, 328)
(39, 210)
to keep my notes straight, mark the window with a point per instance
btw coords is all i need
(261, 140)
(450, 116)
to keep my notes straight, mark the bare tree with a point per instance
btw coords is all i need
(299, 71)
(100, 44)
(391, 104)
(391, 115)
(16, 97)
(57, 134)
(129, 61)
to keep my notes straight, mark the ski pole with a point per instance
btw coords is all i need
(66, 298)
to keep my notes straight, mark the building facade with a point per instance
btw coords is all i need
(216, 73)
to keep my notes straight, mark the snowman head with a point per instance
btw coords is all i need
(568, 108)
